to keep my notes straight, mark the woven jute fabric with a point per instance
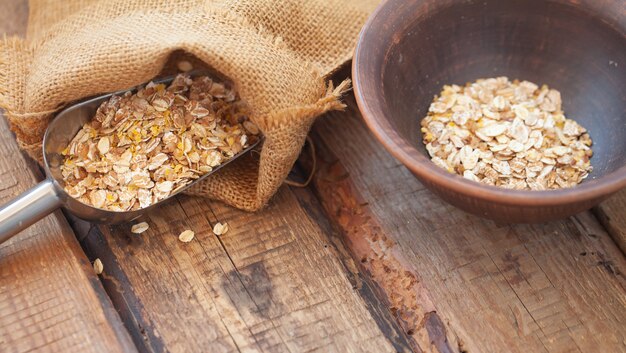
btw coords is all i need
(277, 53)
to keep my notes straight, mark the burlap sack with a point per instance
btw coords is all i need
(278, 54)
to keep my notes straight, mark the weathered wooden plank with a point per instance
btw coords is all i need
(50, 298)
(612, 214)
(376, 255)
(369, 290)
(495, 288)
(274, 282)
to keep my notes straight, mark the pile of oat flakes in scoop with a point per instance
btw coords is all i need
(140, 148)
(508, 134)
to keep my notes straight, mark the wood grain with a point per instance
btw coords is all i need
(274, 283)
(391, 269)
(50, 298)
(376, 254)
(612, 214)
(555, 287)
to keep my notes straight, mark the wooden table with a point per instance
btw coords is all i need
(365, 259)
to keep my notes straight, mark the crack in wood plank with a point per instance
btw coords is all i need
(378, 256)
(612, 215)
(563, 294)
(118, 288)
(266, 285)
(238, 275)
(50, 298)
(360, 279)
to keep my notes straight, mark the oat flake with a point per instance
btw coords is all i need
(186, 236)
(139, 228)
(98, 267)
(220, 228)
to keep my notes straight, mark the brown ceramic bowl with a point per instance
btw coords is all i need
(410, 48)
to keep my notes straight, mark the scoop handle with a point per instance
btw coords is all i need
(27, 209)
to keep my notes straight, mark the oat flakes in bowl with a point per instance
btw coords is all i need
(397, 69)
(508, 134)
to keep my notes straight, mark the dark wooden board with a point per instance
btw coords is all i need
(365, 260)
(50, 298)
(551, 287)
(612, 214)
(274, 282)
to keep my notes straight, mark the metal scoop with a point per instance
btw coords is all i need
(49, 195)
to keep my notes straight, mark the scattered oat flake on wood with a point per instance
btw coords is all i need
(219, 228)
(98, 267)
(186, 236)
(139, 228)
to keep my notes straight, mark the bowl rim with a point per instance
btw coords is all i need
(426, 170)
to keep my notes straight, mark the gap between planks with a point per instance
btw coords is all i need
(523, 280)
(50, 299)
(49, 295)
(612, 214)
(271, 283)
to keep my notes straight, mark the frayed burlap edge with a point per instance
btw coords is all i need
(275, 123)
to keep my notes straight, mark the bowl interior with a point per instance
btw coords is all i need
(570, 49)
